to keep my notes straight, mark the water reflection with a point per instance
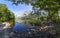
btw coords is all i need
(21, 28)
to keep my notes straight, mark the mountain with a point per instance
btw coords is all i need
(19, 15)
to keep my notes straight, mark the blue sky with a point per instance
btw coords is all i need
(16, 9)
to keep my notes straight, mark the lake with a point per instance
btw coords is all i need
(21, 28)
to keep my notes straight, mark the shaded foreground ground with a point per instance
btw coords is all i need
(7, 33)
(4, 33)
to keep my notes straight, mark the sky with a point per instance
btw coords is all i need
(16, 9)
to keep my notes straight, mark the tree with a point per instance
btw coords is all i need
(6, 14)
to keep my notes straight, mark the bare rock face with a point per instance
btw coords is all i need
(7, 25)
(50, 29)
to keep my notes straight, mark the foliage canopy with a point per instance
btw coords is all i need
(6, 14)
(50, 6)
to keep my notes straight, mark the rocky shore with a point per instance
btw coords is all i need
(33, 33)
